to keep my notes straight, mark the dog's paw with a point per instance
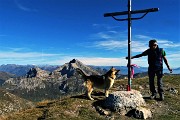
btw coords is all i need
(91, 98)
(107, 95)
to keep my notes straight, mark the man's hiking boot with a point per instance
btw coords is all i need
(153, 96)
(161, 97)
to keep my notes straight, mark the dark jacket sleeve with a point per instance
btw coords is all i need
(145, 53)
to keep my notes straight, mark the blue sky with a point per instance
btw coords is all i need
(56, 31)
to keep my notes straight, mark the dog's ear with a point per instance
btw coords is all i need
(117, 71)
(112, 68)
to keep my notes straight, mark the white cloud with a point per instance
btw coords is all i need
(23, 7)
(104, 61)
(143, 37)
(98, 61)
(173, 59)
(60, 59)
(104, 26)
(168, 44)
(26, 57)
(103, 36)
(136, 46)
(139, 46)
(110, 44)
(174, 56)
(13, 55)
(114, 40)
(117, 41)
(111, 40)
(16, 49)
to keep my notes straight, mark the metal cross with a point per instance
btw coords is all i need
(129, 12)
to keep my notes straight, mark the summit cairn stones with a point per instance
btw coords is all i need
(130, 103)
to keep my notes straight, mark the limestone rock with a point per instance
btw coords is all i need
(173, 90)
(102, 111)
(140, 113)
(130, 103)
(124, 101)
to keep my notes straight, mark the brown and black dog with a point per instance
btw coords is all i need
(99, 81)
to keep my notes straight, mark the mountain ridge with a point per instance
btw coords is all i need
(21, 70)
(40, 83)
(64, 79)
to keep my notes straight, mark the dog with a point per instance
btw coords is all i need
(105, 81)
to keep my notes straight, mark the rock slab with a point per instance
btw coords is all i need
(126, 101)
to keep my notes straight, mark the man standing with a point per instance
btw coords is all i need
(156, 56)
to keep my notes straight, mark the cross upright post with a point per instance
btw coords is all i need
(129, 46)
(129, 19)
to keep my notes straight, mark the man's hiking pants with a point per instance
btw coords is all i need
(159, 74)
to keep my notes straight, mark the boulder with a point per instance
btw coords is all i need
(126, 102)
(140, 113)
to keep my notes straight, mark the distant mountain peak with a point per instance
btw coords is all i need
(74, 61)
(37, 72)
(69, 68)
(77, 62)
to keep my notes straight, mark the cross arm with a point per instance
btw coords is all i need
(132, 12)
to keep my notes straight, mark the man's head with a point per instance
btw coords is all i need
(153, 44)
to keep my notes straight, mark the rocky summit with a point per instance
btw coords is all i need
(37, 72)
(69, 69)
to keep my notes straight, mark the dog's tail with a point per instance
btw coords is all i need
(81, 72)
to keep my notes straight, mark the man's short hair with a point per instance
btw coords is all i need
(151, 42)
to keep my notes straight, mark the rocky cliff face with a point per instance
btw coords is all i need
(70, 81)
(37, 72)
(34, 78)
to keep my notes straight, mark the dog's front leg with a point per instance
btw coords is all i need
(106, 92)
(89, 93)
(89, 89)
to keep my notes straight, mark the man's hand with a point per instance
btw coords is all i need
(166, 62)
(128, 57)
(170, 70)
